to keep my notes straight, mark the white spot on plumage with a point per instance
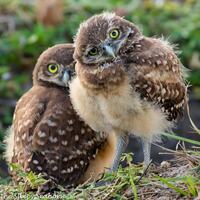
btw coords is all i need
(82, 131)
(89, 143)
(84, 152)
(58, 112)
(57, 157)
(163, 91)
(36, 162)
(81, 162)
(64, 143)
(158, 62)
(52, 161)
(29, 139)
(148, 89)
(19, 128)
(159, 99)
(76, 137)
(65, 159)
(145, 86)
(39, 168)
(63, 171)
(163, 109)
(78, 152)
(24, 136)
(177, 93)
(27, 122)
(40, 105)
(53, 139)
(41, 134)
(70, 122)
(40, 142)
(76, 166)
(70, 128)
(173, 69)
(17, 139)
(61, 132)
(51, 123)
(164, 62)
(54, 168)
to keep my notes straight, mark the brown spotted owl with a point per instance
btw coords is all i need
(126, 82)
(47, 135)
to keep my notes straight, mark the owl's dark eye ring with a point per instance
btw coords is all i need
(53, 68)
(114, 33)
(93, 51)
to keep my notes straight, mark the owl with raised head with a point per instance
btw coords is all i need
(47, 135)
(126, 82)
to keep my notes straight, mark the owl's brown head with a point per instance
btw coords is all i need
(55, 66)
(99, 44)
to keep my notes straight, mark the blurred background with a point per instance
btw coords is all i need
(28, 27)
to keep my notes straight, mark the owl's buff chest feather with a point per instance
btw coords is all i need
(122, 110)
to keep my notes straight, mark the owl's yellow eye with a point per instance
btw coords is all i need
(53, 68)
(114, 34)
(93, 51)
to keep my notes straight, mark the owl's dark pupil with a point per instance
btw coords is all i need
(114, 33)
(93, 51)
(53, 67)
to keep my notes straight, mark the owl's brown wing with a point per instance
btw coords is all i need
(156, 74)
(28, 113)
(51, 139)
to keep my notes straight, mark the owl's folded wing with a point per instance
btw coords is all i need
(157, 75)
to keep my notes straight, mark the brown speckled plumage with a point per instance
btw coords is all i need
(131, 83)
(49, 137)
(153, 69)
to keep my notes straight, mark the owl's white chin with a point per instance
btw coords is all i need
(110, 63)
(106, 65)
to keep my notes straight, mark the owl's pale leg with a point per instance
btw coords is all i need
(122, 142)
(146, 144)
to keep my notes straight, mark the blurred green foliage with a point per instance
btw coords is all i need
(19, 49)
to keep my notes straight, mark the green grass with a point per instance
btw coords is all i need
(177, 177)
(180, 178)
(20, 50)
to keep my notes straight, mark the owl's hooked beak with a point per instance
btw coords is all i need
(66, 77)
(109, 50)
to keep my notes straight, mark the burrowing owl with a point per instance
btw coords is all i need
(47, 136)
(126, 82)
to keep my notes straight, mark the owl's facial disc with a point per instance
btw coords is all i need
(57, 74)
(107, 50)
(114, 42)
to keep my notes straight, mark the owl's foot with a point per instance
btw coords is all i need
(102, 183)
(49, 187)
